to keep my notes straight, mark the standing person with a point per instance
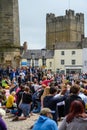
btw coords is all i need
(76, 119)
(2, 123)
(22, 74)
(45, 121)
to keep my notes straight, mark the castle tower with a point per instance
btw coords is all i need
(68, 28)
(9, 33)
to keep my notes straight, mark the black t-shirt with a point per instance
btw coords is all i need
(27, 98)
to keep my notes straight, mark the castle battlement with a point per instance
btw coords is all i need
(66, 28)
(70, 14)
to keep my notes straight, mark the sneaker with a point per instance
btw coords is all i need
(15, 118)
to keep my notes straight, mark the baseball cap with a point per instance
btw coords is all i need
(45, 110)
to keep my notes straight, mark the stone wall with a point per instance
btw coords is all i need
(68, 28)
(9, 31)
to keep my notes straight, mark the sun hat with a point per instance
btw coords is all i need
(45, 110)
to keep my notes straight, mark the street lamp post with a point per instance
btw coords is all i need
(32, 56)
(43, 51)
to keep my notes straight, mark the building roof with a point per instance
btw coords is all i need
(38, 54)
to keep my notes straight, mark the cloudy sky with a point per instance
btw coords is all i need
(33, 18)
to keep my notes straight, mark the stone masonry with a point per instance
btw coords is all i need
(9, 33)
(68, 28)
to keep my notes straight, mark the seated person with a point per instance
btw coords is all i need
(11, 101)
(45, 121)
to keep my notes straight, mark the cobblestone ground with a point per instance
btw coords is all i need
(20, 125)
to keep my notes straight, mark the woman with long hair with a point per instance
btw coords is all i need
(45, 93)
(76, 119)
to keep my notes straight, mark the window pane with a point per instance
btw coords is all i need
(36, 62)
(28, 62)
(73, 62)
(50, 64)
(62, 52)
(73, 52)
(85, 63)
(62, 62)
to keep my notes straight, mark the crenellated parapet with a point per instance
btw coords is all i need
(70, 14)
(67, 28)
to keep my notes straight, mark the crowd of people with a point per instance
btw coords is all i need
(28, 90)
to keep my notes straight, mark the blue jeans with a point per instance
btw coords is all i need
(37, 110)
(25, 109)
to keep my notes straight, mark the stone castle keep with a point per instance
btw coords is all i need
(68, 28)
(9, 33)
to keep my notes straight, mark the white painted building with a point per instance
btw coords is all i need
(84, 60)
(68, 60)
(62, 60)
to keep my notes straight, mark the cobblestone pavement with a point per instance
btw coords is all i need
(20, 125)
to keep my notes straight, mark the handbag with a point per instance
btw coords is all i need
(19, 106)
